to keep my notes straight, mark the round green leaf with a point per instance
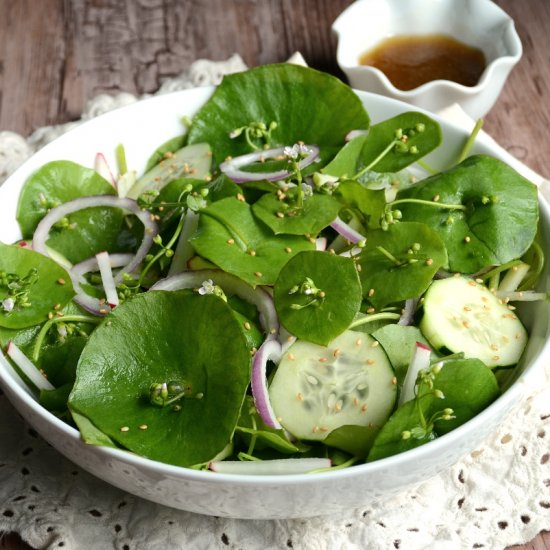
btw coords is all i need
(88, 231)
(469, 386)
(234, 240)
(317, 212)
(306, 104)
(35, 283)
(317, 318)
(190, 338)
(400, 263)
(498, 218)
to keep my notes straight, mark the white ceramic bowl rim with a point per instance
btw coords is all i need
(506, 400)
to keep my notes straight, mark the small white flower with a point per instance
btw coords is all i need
(307, 189)
(8, 304)
(207, 287)
(296, 150)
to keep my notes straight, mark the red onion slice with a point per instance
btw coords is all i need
(231, 285)
(77, 272)
(269, 350)
(28, 367)
(231, 167)
(109, 285)
(101, 166)
(407, 317)
(321, 244)
(350, 234)
(129, 205)
(278, 466)
(354, 133)
(420, 360)
(184, 251)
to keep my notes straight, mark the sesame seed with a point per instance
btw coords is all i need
(288, 250)
(299, 396)
(467, 308)
(436, 198)
(312, 380)
(371, 310)
(323, 359)
(125, 429)
(240, 197)
(323, 429)
(467, 239)
(291, 356)
(355, 401)
(429, 261)
(252, 252)
(143, 426)
(358, 342)
(57, 306)
(247, 325)
(370, 361)
(280, 214)
(258, 274)
(61, 281)
(364, 408)
(465, 324)
(338, 406)
(337, 352)
(315, 429)
(230, 241)
(371, 292)
(394, 381)
(50, 315)
(375, 344)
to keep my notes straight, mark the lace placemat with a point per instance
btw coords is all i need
(497, 496)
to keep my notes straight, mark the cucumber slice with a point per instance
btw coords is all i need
(193, 161)
(465, 316)
(318, 389)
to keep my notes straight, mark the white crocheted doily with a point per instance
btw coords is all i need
(497, 496)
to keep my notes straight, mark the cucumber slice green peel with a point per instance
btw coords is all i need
(349, 383)
(463, 315)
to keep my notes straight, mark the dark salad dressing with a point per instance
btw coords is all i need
(410, 61)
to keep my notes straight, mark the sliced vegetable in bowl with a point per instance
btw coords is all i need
(267, 307)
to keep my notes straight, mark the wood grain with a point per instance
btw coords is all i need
(56, 55)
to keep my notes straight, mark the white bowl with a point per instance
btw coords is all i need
(141, 127)
(479, 23)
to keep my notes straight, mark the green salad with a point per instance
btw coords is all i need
(286, 288)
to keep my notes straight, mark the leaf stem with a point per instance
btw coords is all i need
(48, 324)
(442, 205)
(374, 317)
(376, 160)
(470, 141)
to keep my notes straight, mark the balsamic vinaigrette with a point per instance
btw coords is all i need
(411, 60)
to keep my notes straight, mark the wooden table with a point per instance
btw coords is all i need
(55, 55)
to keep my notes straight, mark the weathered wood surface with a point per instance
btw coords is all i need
(56, 55)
